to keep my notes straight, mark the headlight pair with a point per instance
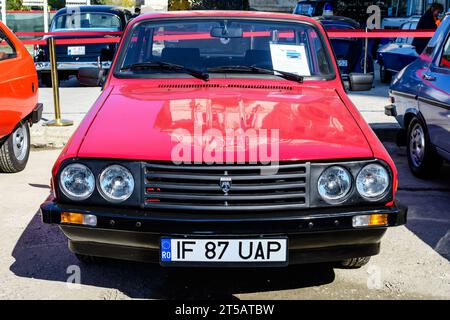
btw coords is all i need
(336, 182)
(115, 183)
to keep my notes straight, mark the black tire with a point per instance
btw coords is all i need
(354, 263)
(423, 159)
(15, 150)
(385, 75)
(46, 79)
(88, 259)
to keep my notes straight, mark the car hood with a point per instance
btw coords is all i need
(394, 48)
(143, 122)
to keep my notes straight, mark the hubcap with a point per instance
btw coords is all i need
(417, 145)
(20, 142)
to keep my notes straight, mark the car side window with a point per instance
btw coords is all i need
(405, 26)
(445, 60)
(412, 26)
(7, 50)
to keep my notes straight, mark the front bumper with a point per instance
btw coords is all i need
(46, 66)
(134, 234)
(390, 110)
(36, 114)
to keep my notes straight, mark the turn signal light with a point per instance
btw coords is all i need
(371, 220)
(78, 218)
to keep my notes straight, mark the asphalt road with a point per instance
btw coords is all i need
(35, 262)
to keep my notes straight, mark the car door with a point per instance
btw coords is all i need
(18, 82)
(434, 97)
(8, 112)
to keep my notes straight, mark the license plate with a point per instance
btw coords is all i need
(342, 63)
(76, 51)
(216, 251)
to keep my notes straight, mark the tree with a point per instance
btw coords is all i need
(56, 4)
(179, 5)
(220, 4)
(13, 4)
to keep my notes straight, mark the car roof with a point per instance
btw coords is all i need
(222, 13)
(94, 8)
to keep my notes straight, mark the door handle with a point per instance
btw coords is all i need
(428, 77)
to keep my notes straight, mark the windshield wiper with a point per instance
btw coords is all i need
(159, 65)
(254, 69)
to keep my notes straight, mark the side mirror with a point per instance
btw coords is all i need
(106, 54)
(361, 81)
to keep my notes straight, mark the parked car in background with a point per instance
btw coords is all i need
(397, 23)
(234, 143)
(311, 8)
(394, 56)
(420, 95)
(72, 58)
(349, 52)
(19, 107)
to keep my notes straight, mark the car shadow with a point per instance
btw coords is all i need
(42, 253)
(428, 202)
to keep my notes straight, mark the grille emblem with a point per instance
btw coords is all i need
(225, 184)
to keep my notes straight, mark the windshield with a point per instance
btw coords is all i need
(214, 45)
(87, 20)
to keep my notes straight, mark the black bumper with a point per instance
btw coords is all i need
(390, 110)
(36, 114)
(314, 236)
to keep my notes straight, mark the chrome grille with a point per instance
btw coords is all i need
(198, 187)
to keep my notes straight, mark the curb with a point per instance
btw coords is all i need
(43, 137)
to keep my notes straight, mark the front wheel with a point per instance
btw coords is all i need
(15, 150)
(423, 159)
(354, 263)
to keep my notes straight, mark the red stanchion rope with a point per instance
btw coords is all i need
(114, 36)
(380, 33)
(65, 33)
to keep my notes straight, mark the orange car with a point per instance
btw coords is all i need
(18, 101)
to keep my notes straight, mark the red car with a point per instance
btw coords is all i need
(18, 101)
(226, 139)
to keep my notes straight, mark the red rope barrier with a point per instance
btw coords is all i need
(75, 33)
(113, 35)
(380, 33)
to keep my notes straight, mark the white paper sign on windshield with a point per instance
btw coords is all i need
(290, 58)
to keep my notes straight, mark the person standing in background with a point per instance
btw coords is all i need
(428, 21)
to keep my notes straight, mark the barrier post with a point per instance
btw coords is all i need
(3, 6)
(45, 11)
(58, 122)
(366, 44)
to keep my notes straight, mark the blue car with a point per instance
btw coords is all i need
(394, 56)
(349, 52)
(420, 96)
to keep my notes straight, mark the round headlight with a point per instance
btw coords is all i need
(116, 183)
(334, 184)
(372, 182)
(77, 182)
